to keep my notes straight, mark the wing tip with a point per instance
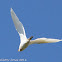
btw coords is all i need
(11, 9)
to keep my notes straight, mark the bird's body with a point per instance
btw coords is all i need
(23, 46)
(24, 41)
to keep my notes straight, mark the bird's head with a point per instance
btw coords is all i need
(20, 47)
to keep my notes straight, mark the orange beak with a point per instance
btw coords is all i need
(18, 50)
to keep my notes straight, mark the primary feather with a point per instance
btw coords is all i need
(18, 25)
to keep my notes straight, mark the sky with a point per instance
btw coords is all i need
(40, 18)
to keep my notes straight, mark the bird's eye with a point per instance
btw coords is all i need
(20, 49)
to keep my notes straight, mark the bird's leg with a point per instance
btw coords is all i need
(30, 38)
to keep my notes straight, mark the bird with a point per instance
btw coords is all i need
(24, 41)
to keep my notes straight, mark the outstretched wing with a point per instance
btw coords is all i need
(44, 40)
(18, 25)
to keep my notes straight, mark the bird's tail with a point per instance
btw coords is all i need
(30, 38)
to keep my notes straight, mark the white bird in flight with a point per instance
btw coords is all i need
(24, 41)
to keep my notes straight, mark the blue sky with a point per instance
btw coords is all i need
(41, 18)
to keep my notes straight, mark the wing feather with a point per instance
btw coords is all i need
(44, 40)
(18, 25)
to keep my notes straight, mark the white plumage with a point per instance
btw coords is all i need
(24, 41)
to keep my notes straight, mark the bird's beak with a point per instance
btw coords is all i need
(18, 50)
